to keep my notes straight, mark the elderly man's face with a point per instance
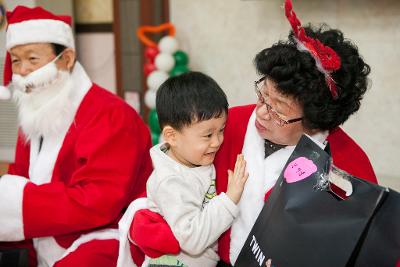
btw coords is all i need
(30, 57)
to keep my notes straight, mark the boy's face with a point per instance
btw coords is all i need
(197, 144)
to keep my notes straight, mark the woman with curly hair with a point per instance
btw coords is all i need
(310, 84)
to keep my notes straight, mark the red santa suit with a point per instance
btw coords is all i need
(75, 189)
(67, 190)
(80, 180)
(241, 137)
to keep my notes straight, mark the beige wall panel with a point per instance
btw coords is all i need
(62, 7)
(96, 53)
(93, 11)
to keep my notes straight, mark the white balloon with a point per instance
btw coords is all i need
(168, 44)
(156, 78)
(150, 99)
(164, 62)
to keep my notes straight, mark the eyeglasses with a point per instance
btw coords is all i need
(275, 116)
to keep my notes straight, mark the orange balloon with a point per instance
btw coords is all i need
(142, 30)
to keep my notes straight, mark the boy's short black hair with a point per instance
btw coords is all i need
(189, 97)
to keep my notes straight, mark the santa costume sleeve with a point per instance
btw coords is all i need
(21, 165)
(110, 150)
(11, 191)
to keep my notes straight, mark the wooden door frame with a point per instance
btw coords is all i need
(117, 47)
(147, 16)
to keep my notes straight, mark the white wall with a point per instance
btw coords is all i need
(222, 38)
(11, 4)
(96, 52)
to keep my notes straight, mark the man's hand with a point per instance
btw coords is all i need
(237, 179)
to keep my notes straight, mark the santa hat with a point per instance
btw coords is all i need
(33, 25)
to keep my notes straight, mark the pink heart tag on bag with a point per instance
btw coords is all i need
(299, 169)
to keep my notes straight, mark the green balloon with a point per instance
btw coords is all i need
(153, 122)
(178, 70)
(181, 58)
(155, 138)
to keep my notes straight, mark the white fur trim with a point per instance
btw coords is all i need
(124, 255)
(104, 234)
(146, 261)
(39, 31)
(81, 80)
(11, 194)
(263, 174)
(48, 251)
(5, 93)
(41, 165)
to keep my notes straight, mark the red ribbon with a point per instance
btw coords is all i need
(330, 61)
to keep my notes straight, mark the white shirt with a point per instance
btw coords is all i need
(177, 192)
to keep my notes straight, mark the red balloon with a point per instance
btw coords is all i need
(148, 68)
(150, 53)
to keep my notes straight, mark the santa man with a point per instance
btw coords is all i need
(82, 153)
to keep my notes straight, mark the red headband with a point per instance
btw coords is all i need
(326, 58)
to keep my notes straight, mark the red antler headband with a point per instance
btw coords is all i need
(325, 57)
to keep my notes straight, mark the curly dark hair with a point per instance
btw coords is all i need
(295, 74)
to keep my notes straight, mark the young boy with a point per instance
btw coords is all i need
(192, 111)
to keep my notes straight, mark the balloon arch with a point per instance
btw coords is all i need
(162, 60)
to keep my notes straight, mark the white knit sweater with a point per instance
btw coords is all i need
(178, 192)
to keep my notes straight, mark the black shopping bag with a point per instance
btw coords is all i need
(305, 222)
(380, 245)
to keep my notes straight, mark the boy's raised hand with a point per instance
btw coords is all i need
(237, 179)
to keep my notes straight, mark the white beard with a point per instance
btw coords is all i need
(45, 111)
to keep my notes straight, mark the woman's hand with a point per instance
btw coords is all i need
(237, 179)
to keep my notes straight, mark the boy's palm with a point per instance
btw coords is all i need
(237, 179)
